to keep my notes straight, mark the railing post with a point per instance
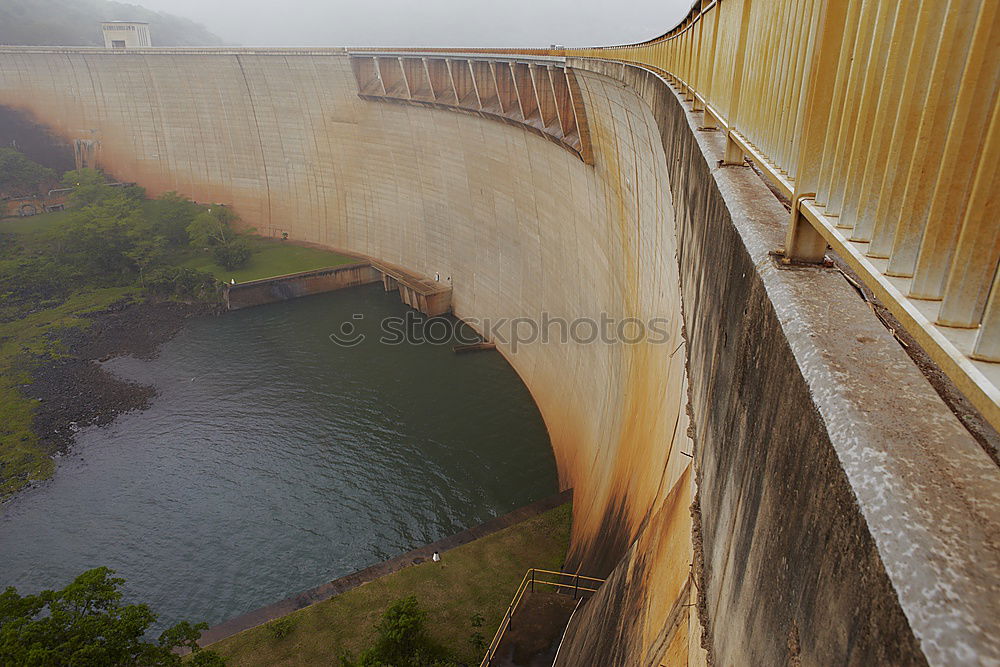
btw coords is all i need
(532, 581)
(734, 153)
(576, 585)
(802, 242)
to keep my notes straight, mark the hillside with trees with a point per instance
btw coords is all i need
(77, 23)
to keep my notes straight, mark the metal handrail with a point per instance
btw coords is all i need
(881, 122)
(533, 577)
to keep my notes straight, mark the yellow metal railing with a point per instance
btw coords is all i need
(878, 119)
(564, 581)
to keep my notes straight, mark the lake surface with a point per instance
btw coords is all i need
(273, 460)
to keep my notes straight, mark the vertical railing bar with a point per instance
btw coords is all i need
(935, 123)
(902, 148)
(799, 27)
(872, 83)
(987, 347)
(828, 153)
(977, 251)
(842, 155)
(734, 154)
(801, 91)
(885, 116)
(977, 96)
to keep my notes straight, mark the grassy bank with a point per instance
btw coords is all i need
(271, 257)
(476, 578)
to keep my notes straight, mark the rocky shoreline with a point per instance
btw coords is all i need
(75, 390)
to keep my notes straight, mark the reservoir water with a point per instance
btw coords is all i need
(273, 460)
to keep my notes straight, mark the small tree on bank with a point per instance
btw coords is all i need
(402, 641)
(214, 229)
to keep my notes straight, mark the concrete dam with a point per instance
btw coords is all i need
(776, 481)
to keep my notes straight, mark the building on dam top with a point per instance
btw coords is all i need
(125, 34)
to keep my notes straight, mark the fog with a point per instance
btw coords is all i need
(428, 22)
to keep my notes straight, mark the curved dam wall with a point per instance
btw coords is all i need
(823, 521)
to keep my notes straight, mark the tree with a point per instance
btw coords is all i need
(89, 186)
(147, 251)
(402, 641)
(232, 256)
(85, 625)
(214, 229)
(169, 217)
(99, 239)
(19, 175)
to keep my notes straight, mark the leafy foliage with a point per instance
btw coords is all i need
(181, 282)
(99, 239)
(21, 176)
(85, 624)
(90, 186)
(169, 217)
(477, 639)
(214, 229)
(402, 641)
(110, 238)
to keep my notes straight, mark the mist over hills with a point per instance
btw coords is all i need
(77, 23)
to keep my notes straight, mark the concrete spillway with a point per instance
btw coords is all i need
(836, 520)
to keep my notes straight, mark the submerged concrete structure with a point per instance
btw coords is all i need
(773, 481)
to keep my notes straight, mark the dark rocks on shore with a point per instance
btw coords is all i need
(74, 390)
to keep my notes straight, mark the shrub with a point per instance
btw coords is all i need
(232, 256)
(402, 640)
(169, 217)
(281, 628)
(214, 229)
(181, 282)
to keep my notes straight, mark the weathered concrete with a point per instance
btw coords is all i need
(845, 516)
(430, 296)
(294, 285)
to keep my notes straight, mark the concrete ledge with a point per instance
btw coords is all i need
(430, 297)
(294, 285)
(343, 584)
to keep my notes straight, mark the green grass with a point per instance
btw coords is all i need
(479, 577)
(35, 224)
(270, 258)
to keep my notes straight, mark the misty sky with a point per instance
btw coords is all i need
(428, 22)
